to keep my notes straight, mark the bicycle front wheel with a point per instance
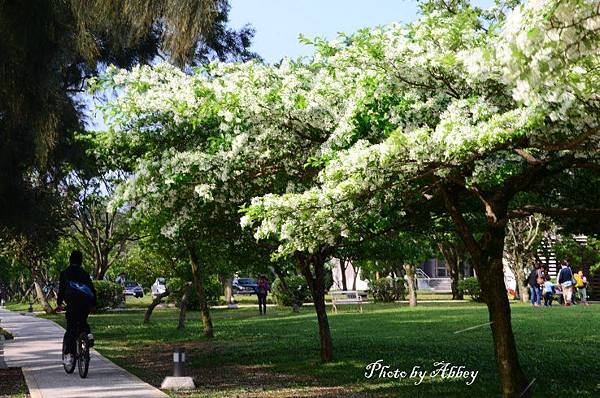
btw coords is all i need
(83, 355)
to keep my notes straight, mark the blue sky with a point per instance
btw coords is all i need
(279, 22)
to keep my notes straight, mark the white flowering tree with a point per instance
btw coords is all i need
(198, 147)
(204, 144)
(464, 114)
(473, 109)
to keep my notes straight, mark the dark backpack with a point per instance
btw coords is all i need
(79, 292)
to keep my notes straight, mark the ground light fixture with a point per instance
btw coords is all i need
(178, 381)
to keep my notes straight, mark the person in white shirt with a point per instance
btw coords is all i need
(548, 291)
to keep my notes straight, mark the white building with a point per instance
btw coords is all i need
(354, 280)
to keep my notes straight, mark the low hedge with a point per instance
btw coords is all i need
(108, 294)
(298, 292)
(387, 290)
(471, 287)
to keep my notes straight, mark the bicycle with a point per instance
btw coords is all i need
(81, 357)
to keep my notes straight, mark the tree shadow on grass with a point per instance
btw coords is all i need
(277, 355)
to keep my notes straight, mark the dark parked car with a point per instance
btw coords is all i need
(133, 289)
(244, 286)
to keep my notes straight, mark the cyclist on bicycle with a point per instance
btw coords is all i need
(77, 290)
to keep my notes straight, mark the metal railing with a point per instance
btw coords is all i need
(421, 274)
(438, 285)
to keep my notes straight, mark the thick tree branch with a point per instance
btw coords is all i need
(529, 158)
(461, 224)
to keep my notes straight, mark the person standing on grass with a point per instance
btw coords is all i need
(565, 280)
(262, 290)
(534, 286)
(581, 285)
(548, 292)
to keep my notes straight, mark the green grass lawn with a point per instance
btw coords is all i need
(23, 307)
(277, 354)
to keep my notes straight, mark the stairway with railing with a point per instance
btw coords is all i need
(434, 285)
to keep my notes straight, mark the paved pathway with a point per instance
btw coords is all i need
(37, 349)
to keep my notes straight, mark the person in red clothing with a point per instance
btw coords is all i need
(262, 290)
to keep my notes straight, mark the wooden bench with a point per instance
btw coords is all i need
(341, 297)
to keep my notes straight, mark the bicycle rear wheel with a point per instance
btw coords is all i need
(83, 355)
(71, 367)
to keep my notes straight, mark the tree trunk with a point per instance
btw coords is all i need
(486, 255)
(102, 272)
(452, 257)
(228, 291)
(183, 306)
(343, 266)
(27, 293)
(460, 277)
(199, 285)
(457, 275)
(453, 268)
(512, 378)
(412, 287)
(37, 282)
(153, 305)
(522, 291)
(316, 283)
(356, 270)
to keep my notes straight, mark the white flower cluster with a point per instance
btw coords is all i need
(317, 148)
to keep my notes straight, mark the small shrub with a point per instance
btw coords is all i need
(108, 294)
(471, 287)
(298, 291)
(387, 290)
(212, 289)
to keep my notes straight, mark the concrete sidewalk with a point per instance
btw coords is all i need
(37, 349)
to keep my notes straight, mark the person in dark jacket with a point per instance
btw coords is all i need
(262, 290)
(77, 291)
(566, 280)
(534, 286)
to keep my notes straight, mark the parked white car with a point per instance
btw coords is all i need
(158, 287)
